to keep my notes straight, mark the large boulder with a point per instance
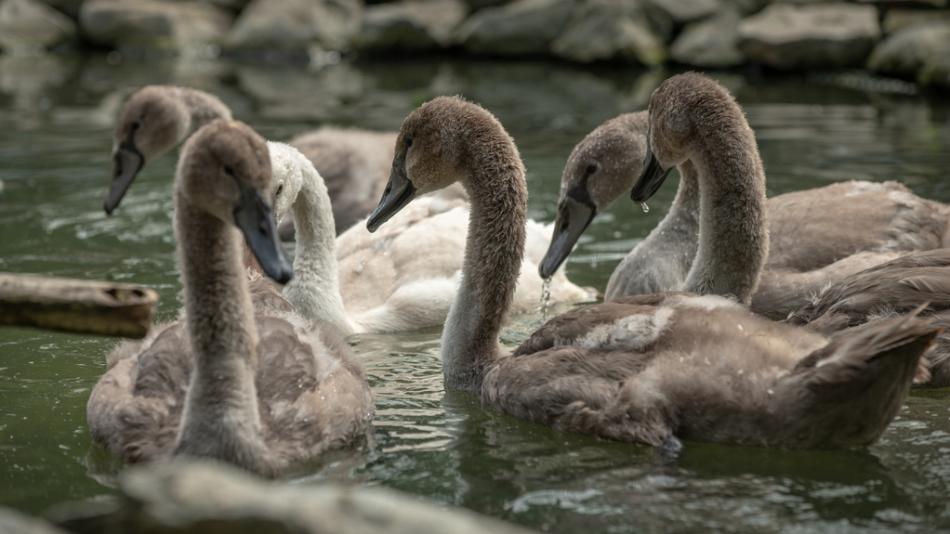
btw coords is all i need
(524, 27)
(898, 19)
(296, 27)
(410, 24)
(683, 11)
(27, 25)
(917, 52)
(154, 27)
(185, 498)
(711, 43)
(787, 36)
(606, 29)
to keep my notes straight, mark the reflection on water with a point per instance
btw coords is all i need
(54, 149)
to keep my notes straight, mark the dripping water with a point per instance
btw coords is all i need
(645, 207)
(545, 298)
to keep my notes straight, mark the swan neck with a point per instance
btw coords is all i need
(315, 289)
(733, 236)
(221, 327)
(493, 254)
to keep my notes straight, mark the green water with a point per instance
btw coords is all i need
(54, 164)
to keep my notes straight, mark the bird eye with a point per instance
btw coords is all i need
(592, 168)
(229, 171)
(408, 142)
(136, 125)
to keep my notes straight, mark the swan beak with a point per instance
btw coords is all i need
(399, 192)
(573, 217)
(127, 162)
(650, 179)
(256, 221)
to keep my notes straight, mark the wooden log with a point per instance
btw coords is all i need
(79, 306)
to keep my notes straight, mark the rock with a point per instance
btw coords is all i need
(789, 36)
(683, 11)
(711, 43)
(28, 25)
(12, 521)
(296, 27)
(149, 27)
(410, 24)
(606, 29)
(69, 7)
(898, 19)
(475, 5)
(191, 497)
(936, 71)
(520, 28)
(917, 52)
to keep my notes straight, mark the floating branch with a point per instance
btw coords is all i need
(79, 306)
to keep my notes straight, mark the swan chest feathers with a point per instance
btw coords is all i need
(136, 409)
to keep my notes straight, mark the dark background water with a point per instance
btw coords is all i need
(55, 118)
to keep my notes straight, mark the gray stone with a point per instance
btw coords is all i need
(28, 25)
(410, 24)
(13, 522)
(522, 27)
(296, 26)
(711, 43)
(606, 29)
(898, 19)
(683, 11)
(202, 497)
(152, 26)
(918, 52)
(821, 35)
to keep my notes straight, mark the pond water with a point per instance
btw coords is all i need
(54, 165)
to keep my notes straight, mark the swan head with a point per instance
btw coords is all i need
(152, 121)
(601, 168)
(225, 171)
(679, 108)
(287, 165)
(428, 156)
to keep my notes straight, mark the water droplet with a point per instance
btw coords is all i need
(645, 207)
(545, 298)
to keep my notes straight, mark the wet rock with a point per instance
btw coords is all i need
(28, 25)
(296, 27)
(69, 7)
(152, 27)
(202, 497)
(816, 35)
(410, 24)
(12, 521)
(711, 43)
(606, 29)
(683, 11)
(917, 52)
(520, 28)
(898, 19)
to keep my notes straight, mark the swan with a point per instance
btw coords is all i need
(157, 118)
(402, 279)
(817, 236)
(265, 392)
(649, 369)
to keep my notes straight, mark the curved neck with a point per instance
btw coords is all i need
(493, 254)
(202, 108)
(315, 288)
(733, 235)
(221, 405)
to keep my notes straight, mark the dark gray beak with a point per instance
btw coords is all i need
(650, 179)
(127, 162)
(256, 221)
(287, 231)
(399, 192)
(573, 217)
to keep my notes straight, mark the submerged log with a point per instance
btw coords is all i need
(78, 306)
